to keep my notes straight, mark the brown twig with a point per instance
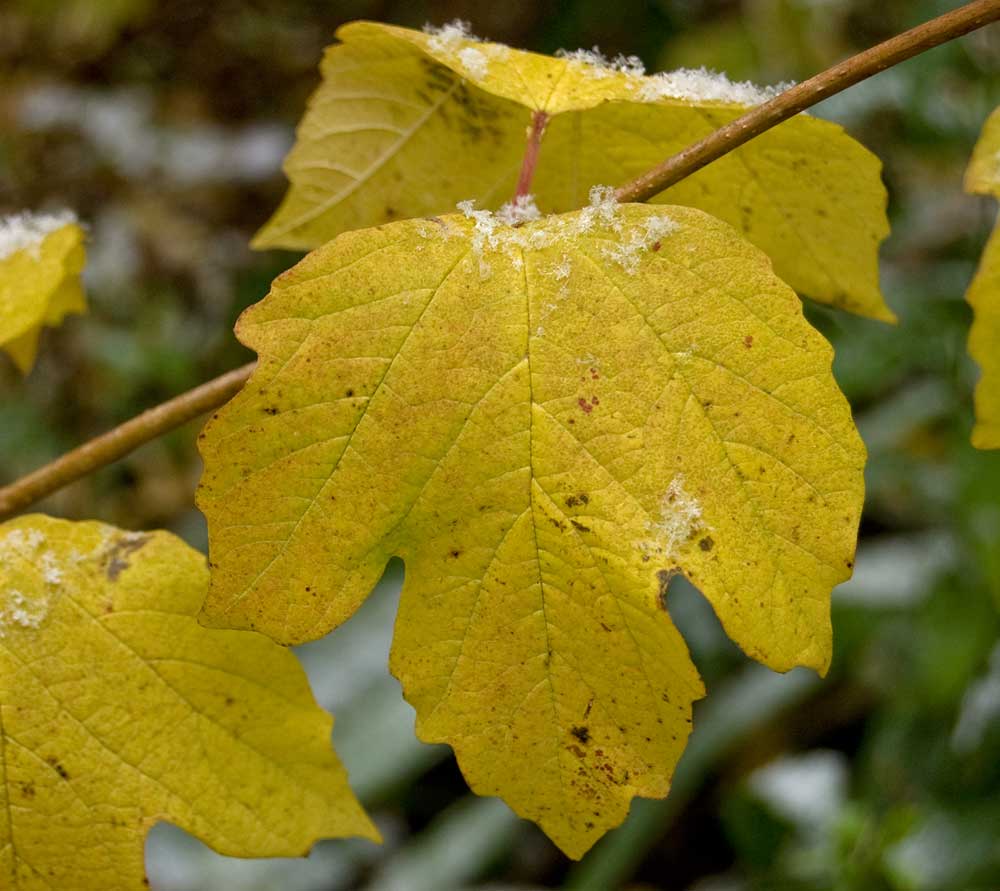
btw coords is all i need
(154, 423)
(117, 443)
(806, 94)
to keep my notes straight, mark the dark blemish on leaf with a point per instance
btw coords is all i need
(57, 767)
(117, 556)
(28, 789)
(748, 341)
(454, 553)
(349, 393)
(656, 245)
(664, 576)
(579, 526)
(706, 544)
(271, 410)
(577, 500)
(605, 627)
(230, 700)
(585, 406)
(590, 705)
(582, 733)
(589, 824)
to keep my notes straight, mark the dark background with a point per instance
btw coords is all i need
(163, 125)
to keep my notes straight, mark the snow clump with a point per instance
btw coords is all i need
(27, 230)
(680, 518)
(597, 65)
(702, 85)
(452, 41)
(519, 226)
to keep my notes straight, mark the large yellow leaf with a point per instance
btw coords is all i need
(545, 420)
(117, 709)
(41, 258)
(983, 177)
(406, 124)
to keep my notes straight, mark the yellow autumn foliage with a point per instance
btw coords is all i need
(118, 710)
(546, 418)
(41, 258)
(983, 178)
(406, 124)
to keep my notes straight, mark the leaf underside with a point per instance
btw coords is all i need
(118, 710)
(983, 177)
(39, 287)
(391, 107)
(546, 423)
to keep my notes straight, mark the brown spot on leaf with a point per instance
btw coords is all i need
(582, 733)
(579, 526)
(118, 555)
(706, 544)
(748, 341)
(54, 763)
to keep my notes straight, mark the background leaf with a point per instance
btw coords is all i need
(41, 258)
(983, 177)
(395, 101)
(119, 710)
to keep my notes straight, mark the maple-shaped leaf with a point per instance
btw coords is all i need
(546, 420)
(983, 178)
(117, 710)
(41, 258)
(395, 103)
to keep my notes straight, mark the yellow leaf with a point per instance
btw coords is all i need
(41, 258)
(405, 124)
(545, 420)
(118, 710)
(983, 177)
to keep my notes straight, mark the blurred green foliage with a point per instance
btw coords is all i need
(163, 125)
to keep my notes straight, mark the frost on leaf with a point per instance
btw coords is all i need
(702, 85)
(983, 177)
(503, 232)
(394, 101)
(118, 710)
(542, 416)
(41, 258)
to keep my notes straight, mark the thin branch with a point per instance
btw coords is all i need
(536, 131)
(154, 423)
(806, 94)
(117, 443)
